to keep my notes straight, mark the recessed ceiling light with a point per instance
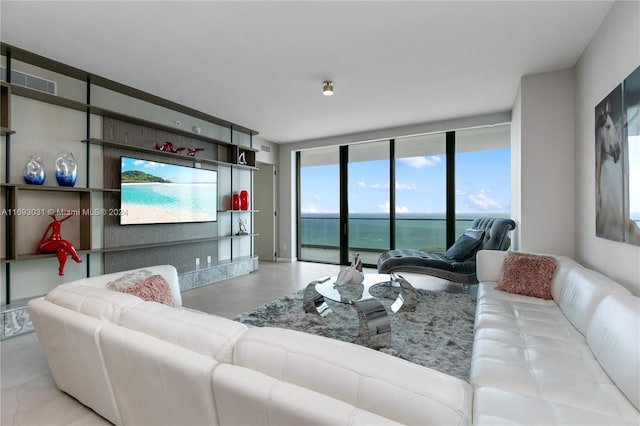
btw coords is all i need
(327, 88)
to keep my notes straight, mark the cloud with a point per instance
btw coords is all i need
(386, 186)
(483, 201)
(460, 192)
(421, 162)
(147, 164)
(310, 208)
(379, 187)
(405, 186)
(386, 208)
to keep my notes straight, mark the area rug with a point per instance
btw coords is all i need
(438, 334)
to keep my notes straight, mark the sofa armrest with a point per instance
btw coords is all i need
(489, 265)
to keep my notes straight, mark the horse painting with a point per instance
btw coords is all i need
(610, 217)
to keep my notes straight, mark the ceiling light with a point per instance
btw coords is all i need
(327, 88)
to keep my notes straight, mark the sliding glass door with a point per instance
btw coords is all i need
(368, 200)
(483, 174)
(319, 205)
(421, 192)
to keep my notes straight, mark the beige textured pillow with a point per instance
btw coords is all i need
(527, 274)
(153, 289)
(129, 279)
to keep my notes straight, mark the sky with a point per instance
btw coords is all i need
(482, 185)
(173, 173)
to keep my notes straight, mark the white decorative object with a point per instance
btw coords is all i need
(353, 274)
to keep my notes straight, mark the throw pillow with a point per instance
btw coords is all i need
(129, 279)
(153, 289)
(466, 246)
(527, 274)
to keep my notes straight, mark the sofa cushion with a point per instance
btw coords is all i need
(247, 397)
(581, 293)
(614, 337)
(367, 379)
(527, 274)
(92, 301)
(493, 406)
(68, 340)
(155, 382)
(152, 289)
(206, 334)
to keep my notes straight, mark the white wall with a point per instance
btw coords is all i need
(612, 54)
(542, 165)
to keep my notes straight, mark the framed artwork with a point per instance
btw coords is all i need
(617, 165)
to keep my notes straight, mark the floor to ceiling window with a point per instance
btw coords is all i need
(442, 182)
(368, 199)
(319, 205)
(482, 174)
(421, 192)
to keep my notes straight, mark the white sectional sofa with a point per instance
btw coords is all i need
(145, 363)
(573, 360)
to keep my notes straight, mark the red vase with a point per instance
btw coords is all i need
(244, 200)
(236, 201)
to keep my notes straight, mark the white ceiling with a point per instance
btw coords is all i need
(261, 64)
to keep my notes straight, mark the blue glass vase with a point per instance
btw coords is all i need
(34, 171)
(66, 169)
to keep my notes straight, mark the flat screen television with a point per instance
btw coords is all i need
(152, 192)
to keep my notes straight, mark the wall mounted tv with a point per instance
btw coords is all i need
(152, 192)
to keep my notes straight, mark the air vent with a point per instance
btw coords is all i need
(31, 81)
(265, 148)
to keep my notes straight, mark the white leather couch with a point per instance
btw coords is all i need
(144, 363)
(573, 360)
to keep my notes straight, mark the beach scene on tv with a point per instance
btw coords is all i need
(154, 192)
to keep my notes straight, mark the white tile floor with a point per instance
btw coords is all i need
(30, 397)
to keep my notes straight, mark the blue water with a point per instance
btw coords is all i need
(371, 231)
(193, 198)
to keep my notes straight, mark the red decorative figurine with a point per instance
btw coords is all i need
(54, 243)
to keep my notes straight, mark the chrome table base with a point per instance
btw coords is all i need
(375, 327)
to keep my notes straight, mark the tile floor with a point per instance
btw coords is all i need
(30, 397)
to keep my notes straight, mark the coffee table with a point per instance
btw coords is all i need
(375, 328)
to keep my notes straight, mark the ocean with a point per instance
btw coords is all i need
(190, 199)
(371, 231)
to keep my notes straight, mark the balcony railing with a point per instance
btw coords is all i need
(369, 235)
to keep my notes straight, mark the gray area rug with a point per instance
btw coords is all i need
(438, 334)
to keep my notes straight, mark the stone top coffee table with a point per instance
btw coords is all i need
(375, 328)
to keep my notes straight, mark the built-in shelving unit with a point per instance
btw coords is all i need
(231, 154)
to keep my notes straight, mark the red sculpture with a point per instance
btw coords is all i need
(54, 243)
(168, 147)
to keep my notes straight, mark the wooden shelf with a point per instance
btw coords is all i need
(119, 130)
(24, 186)
(168, 243)
(115, 144)
(27, 187)
(48, 98)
